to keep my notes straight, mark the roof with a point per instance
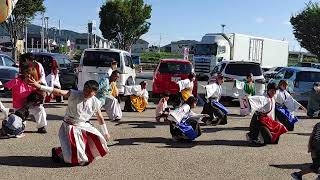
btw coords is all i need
(10, 68)
(106, 50)
(239, 62)
(175, 60)
(295, 68)
(185, 42)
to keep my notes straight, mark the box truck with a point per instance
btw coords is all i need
(217, 47)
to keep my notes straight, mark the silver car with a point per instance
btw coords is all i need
(300, 80)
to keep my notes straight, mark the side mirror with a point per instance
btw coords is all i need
(15, 65)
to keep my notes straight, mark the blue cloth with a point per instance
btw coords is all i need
(220, 106)
(104, 89)
(284, 111)
(187, 130)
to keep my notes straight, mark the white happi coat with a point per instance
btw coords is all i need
(213, 91)
(284, 98)
(77, 136)
(263, 104)
(185, 84)
(182, 113)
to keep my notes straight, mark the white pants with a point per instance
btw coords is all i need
(113, 108)
(39, 114)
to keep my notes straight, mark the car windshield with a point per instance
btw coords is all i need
(175, 68)
(308, 76)
(8, 74)
(243, 69)
(206, 49)
(100, 58)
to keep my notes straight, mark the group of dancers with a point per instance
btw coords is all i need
(80, 142)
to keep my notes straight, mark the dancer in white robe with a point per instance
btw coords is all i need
(80, 141)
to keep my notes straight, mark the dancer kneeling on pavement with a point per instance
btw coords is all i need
(285, 106)
(184, 124)
(80, 141)
(263, 128)
(212, 107)
(14, 124)
(162, 110)
(314, 149)
(20, 92)
(185, 89)
(137, 97)
(108, 97)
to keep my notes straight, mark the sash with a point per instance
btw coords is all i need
(290, 117)
(187, 130)
(220, 106)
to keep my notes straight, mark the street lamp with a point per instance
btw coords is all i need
(222, 26)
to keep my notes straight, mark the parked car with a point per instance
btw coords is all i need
(238, 70)
(7, 61)
(8, 73)
(270, 74)
(168, 73)
(68, 77)
(94, 64)
(308, 64)
(300, 80)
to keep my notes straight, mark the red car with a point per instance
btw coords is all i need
(168, 72)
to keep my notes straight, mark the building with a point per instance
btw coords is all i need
(140, 46)
(177, 47)
(99, 42)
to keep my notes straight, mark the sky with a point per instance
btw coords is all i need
(173, 20)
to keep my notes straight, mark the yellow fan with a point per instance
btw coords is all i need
(6, 7)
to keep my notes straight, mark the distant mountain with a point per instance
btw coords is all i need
(65, 34)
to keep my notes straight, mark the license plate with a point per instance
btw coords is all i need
(175, 79)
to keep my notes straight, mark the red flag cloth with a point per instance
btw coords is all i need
(275, 127)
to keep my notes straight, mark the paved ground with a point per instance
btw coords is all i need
(142, 149)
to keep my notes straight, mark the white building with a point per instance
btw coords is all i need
(140, 46)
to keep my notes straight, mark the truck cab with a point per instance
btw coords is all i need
(208, 53)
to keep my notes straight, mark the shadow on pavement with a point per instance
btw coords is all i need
(302, 134)
(30, 161)
(142, 124)
(54, 117)
(292, 166)
(55, 105)
(214, 129)
(171, 144)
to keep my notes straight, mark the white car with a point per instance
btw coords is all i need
(239, 70)
(95, 63)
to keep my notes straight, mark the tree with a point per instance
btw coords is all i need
(306, 28)
(22, 14)
(124, 21)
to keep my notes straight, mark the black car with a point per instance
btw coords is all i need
(68, 77)
(7, 73)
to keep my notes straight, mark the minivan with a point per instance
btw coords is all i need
(94, 64)
(238, 70)
(168, 73)
(300, 80)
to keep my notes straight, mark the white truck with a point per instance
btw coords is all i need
(217, 47)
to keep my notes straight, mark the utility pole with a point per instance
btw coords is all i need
(47, 33)
(42, 34)
(32, 42)
(26, 38)
(59, 34)
(160, 43)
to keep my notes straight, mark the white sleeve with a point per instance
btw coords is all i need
(49, 80)
(43, 74)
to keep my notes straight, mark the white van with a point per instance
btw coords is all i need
(238, 70)
(94, 64)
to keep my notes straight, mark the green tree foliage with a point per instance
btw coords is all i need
(22, 14)
(124, 21)
(306, 28)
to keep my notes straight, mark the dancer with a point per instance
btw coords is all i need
(162, 109)
(137, 97)
(247, 89)
(80, 141)
(185, 89)
(53, 80)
